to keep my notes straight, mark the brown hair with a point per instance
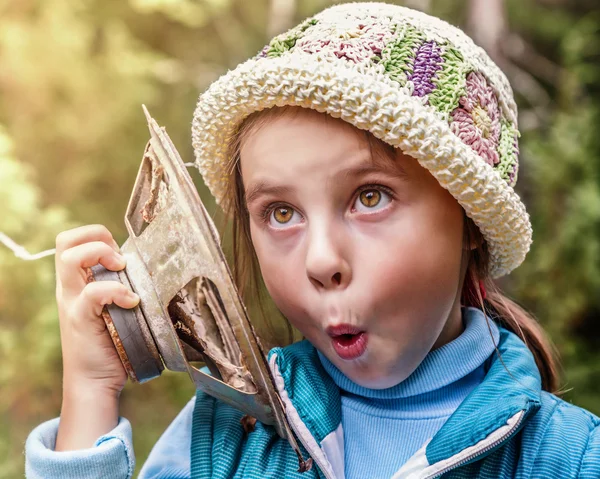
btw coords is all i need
(500, 308)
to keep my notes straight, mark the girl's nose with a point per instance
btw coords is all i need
(326, 266)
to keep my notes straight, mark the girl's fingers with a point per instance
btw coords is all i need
(71, 264)
(84, 234)
(95, 296)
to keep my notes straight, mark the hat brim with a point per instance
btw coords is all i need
(370, 102)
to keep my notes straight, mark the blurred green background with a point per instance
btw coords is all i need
(73, 76)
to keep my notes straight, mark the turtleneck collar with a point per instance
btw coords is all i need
(442, 367)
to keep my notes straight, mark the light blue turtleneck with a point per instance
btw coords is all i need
(383, 428)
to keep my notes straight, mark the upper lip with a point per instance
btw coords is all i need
(343, 328)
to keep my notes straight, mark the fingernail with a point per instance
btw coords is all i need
(115, 246)
(134, 296)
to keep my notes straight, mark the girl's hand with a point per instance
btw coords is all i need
(93, 375)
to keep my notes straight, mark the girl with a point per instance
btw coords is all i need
(367, 158)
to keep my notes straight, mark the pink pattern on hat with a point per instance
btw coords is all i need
(357, 44)
(477, 120)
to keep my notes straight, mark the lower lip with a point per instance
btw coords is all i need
(350, 346)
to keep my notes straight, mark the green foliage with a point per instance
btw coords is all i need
(560, 279)
(73, 77)
(29, 343)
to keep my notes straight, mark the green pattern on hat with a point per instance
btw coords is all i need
(283, 43)
(398, 55)
(450, 81)
(509, 152)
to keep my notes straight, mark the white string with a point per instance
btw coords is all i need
(21, 252)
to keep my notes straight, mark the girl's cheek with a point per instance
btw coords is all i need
(279, 279)
(289, 301)
(279, 268)
(284, 285)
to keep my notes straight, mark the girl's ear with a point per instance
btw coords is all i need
(475, 242)
(473, 239)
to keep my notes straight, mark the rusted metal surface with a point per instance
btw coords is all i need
(158, 191)
(114, 335)
(191, 323)
(118, 345)
(304, 466)
(187, 295)
(248, 423)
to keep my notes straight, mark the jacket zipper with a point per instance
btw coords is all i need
(489, 447)
(318, 462)
(301, 437)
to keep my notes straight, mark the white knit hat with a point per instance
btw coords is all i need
(412, 80)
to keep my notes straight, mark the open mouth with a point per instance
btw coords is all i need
(348, 341)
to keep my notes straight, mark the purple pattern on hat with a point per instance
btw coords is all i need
(264, 51)
(477, 120)
(428, 60)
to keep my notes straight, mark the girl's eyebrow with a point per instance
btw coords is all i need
(264, 188)
(395, 170)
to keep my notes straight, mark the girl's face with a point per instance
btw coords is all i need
(362, 255)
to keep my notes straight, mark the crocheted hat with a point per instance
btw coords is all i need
(412, 80)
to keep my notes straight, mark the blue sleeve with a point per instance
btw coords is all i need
(170, 456)
(590, 465)
(111, 456)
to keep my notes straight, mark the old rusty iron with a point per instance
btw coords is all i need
(189, 306)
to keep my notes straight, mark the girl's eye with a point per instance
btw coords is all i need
(371, 199)
(283, 216)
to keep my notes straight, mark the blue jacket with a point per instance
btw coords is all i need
(506, 428)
